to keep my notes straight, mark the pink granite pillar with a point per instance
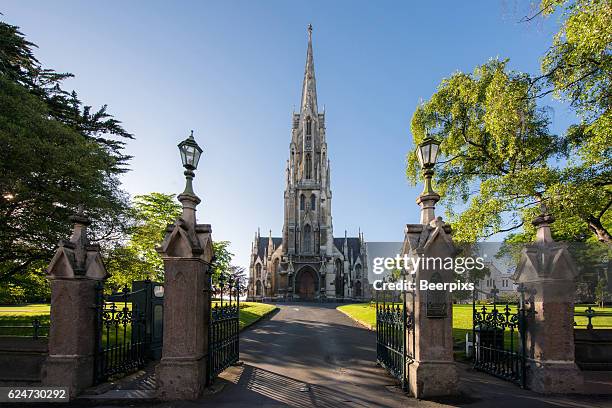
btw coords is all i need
(547, 272)
(187, 253)
(432, 372)
(74, 272)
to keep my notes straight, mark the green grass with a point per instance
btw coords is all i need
(462, 320)
(362, 312)
(252, 312)
(26, 310)
(23, 315)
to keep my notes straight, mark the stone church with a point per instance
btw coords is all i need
(307, 262)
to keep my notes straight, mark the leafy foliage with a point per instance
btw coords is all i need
(137, 258)
(222, 261)
(495, 142)
(500, 159)
(55, 154)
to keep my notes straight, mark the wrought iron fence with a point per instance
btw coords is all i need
(499, 333)
(394, 324)
(35, 329)
(120, 336)
(589, 313)
(224, 328)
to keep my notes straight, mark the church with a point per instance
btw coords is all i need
(308, 262)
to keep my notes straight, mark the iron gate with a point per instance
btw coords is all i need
(224, 328)
(498, 334)
(128, 324)
(394, 325)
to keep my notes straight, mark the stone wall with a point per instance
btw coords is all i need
(21, 359)
(593, 349)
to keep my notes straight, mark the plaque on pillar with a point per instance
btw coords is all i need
(437, 302)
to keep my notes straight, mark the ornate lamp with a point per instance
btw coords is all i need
(427, 153)
(190, 152)
(190, 156)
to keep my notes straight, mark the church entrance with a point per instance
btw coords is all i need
(306, 283)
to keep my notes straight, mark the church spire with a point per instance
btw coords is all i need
(309, 88)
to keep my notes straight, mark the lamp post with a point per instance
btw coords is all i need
(190, 156)
(427, 153)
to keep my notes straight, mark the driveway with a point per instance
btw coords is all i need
(311, 355)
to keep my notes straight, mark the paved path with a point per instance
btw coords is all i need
(311, 355)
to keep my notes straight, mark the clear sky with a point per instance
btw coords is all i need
(232, 71)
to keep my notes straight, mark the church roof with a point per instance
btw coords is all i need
(354, 244)
(263, 245)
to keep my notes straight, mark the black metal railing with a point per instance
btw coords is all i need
(224, 328)
(35, 329)
(120, 337)
(499, 339)
(589, 313)
(394, 323)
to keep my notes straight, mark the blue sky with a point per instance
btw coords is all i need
(232, 71)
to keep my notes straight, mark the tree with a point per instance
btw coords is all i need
(500, 158)
(137, 258)
(55, 154)
(48, 169)
(223, 259)
(495, 143)
(500, 136)
(577, 69)
(237, 273)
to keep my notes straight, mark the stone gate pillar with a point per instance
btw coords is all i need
(74, 273)
(187, 254)
(547, 272)
(432, 372)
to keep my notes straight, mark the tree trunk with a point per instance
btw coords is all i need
(598, 229)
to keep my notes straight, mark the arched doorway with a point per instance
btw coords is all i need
(306, 283)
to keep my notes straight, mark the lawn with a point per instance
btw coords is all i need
(253, 312)
(24, 316)
(250, 312)
(462, 319)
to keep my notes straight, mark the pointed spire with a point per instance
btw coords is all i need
(309, 88)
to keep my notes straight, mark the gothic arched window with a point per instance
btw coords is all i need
(307, 238)
(358, 271)
(258, 271)
(308, 126)
(308, 166)
(302, 202)
(313, 202)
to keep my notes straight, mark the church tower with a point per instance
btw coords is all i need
(307, 262)
(307, 229)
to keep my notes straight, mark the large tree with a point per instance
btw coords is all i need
(136, 258)
(500, 160)
(495, 146)
(577, 69)
(55, 154)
